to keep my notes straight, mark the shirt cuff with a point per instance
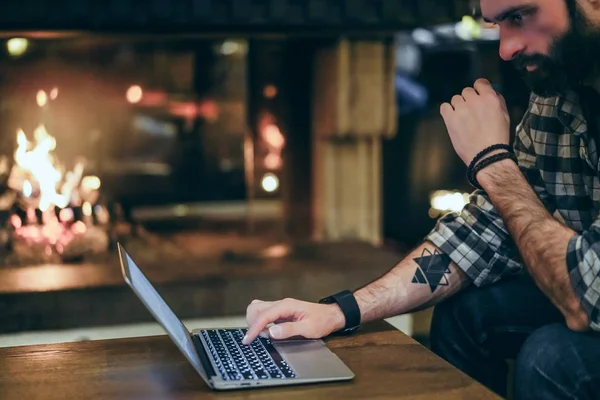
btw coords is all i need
(470, 251)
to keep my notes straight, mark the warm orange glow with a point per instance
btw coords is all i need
(209, 109)
(443, 201)
(90, 183)
(273, 136)
(270, 91)
(184, 110)
(36, 173)
(54, 93)
(134, 94)
(31, 217)
(102, 215)
(17, 46)
(50, 277)
(50, 233)
(37, 162)
(79, 228)
(41, 98)
(45, 185)
(87, 209)
(15, 221)
(277, 251)
(273, 161)
(154, 98)
(66, 215)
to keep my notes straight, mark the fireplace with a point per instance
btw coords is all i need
(99, 133)
(171, 128)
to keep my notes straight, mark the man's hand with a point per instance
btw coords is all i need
(476, 119)
(292, 318)
(395, 293)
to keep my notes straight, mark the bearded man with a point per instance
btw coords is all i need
(516, 274)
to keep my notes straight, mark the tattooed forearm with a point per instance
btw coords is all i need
(432, 269)
(403, 290)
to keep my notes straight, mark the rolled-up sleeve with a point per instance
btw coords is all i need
(583, 262)
(476, 239)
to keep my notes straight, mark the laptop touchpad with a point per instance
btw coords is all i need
(311, 359)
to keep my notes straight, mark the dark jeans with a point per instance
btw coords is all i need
(478, 329)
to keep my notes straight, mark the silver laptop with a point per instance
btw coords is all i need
(221, 359)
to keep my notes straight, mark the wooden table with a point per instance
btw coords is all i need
(387, 364)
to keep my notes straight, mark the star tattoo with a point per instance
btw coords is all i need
(432, 269)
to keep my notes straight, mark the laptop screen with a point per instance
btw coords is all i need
(162, 312)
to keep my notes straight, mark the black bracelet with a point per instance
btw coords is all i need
(487, 150)
(472, 176)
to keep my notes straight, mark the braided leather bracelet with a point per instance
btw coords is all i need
(487, 150)
(472, 173)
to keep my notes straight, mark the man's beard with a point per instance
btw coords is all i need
(573, 59)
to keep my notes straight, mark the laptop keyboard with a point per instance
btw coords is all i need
(236, 361)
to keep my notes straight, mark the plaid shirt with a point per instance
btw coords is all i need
(559, 159)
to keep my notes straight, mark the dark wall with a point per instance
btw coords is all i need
(420, 158)
(227, 16)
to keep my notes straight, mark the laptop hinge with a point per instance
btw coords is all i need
(203, 356)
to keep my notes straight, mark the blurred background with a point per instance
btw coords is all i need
(238, 150)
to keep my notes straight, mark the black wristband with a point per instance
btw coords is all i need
(472, 175)
(487, 150)
(347, 303)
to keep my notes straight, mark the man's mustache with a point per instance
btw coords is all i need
(524, 60)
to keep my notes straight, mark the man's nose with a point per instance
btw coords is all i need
(511, 44)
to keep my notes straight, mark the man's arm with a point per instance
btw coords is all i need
(551, 252)
(422, 279)
(541, 239)
(425, 277)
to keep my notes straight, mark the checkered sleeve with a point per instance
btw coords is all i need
(476, 239)
(583, 262)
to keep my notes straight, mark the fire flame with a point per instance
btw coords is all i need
(37, 176)
(38, 167)
(48, 195)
